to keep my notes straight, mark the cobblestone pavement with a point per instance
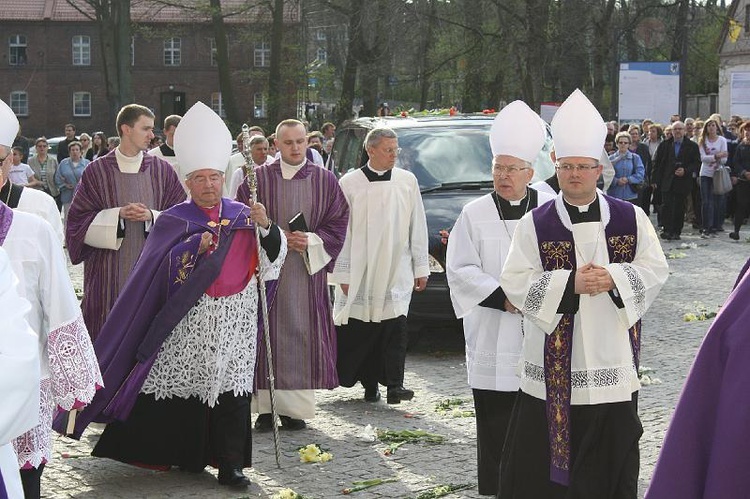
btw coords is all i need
(436, 371)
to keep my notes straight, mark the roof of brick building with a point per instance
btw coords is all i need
(159, 11)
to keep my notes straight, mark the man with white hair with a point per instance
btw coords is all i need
(582, 270)
(383, 260)
(477, 248)
(179, 346)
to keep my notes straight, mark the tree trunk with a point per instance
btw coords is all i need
(276, 85)
(472, 92)
(222, 60)
(429, 40)
(123, 37)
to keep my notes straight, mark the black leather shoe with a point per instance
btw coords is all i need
(398, 393)
(292, 424)
(264, 423)
(234, 478)
(372, 394)
(734, 235)
(666, 236)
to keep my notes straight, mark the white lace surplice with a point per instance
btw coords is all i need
(212, 350)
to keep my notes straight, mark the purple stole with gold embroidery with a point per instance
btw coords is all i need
(557, 251)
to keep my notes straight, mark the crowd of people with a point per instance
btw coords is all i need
(188, 256)
(646, 171)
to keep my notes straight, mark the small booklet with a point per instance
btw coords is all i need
(298, 223)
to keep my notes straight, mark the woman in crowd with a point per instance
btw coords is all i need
(713, 148)
(68, 174)
(86, 150)
(698, 130)
(741, 180)
(44, 167)
(667, 132)
(629, 171)
(100, 145)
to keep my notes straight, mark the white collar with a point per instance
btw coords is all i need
(379, 173)
(565, 218)
(128, 164)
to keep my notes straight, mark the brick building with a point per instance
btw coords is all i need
(52, 72)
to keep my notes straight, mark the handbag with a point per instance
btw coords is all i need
(722, 181)
(636, 187)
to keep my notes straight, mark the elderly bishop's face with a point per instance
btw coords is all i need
(510, 176)
(205, 187)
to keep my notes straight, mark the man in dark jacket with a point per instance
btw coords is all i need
(677, 159)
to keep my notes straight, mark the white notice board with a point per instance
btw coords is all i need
(649, 90)
(740, 94)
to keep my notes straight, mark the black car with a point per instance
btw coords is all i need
(451, 158)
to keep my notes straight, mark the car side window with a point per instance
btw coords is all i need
(348, 151)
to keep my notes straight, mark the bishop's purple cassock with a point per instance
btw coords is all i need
(104, 186)
(163, 286)
(303, 337)
(705, 453)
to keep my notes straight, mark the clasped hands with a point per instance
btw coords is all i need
(136, 212)
(592, 279)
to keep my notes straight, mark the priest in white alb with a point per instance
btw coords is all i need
(69, 371)
(383, 260)
(477, 248)
(19, 377)
(583, 270)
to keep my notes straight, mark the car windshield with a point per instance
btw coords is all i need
(446, 155)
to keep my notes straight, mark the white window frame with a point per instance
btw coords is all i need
(262, 55)
(324, 53)
(80, 100)
(320, 35)
(212, 49)
(19, 102)
(17, 42)
(81, 49)
(217, 104)
(259, 106)
(173, 51)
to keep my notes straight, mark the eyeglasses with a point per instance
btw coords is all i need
(569, 167)
(41, 146)
(623, 142)
(392, 150)
(498, 170)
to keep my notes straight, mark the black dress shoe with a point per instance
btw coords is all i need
(292, 424)
(398, 393)
(372, 394)
(666, 236)
(264, 423)
(735, 235)
(233, 477)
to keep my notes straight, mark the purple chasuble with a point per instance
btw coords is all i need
(557, 251)
(705, 453)
(6, 219)
(3, 492)
(104, 186)
(130, 339)
(303, 337)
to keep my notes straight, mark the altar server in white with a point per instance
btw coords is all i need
(583, 270)
(383, 260)
(69, 370)
(477, 248)
(19, 377)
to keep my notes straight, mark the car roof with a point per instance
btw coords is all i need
(396, 122)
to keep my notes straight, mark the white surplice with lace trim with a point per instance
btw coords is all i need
(70, 372)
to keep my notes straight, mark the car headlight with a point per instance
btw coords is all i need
(435, 266)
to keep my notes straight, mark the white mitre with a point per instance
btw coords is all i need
(517, 131)
(578, 129)
(8, 125)
(202, 141)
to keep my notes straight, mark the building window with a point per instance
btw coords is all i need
(81, 104)
(19, 103)
(320, 35)
(322, 55)
(132, 51)
(172, 51)
(81, 50)
(747, 18)
(259, 106)
(212, 46)
(262, 54)
(17, 45)
(217, 104)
